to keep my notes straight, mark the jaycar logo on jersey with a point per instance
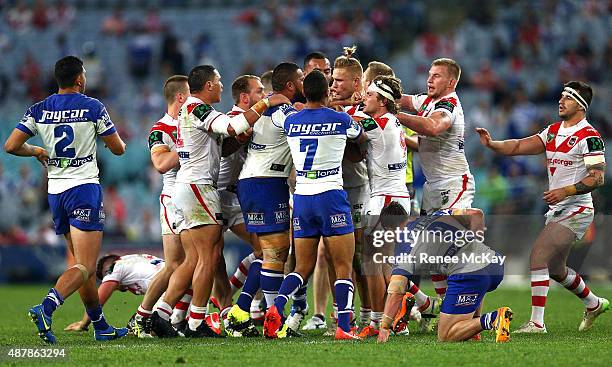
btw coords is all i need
(338, 220)
(327, 128)
(255, 219)
(282, 216)
(82, 215)
(63, 116)
(467, 299)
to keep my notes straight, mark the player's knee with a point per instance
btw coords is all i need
(86, 272)
(275, 255)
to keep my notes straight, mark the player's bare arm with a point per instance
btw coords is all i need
(163, 158)
(395, 292)
(433, 125)
(253, 114)
(526, 146)
(16, 145)
(594, 180)
(105, 291)
(412, 143)
(114, 143)
(406, 103)
(472, 218)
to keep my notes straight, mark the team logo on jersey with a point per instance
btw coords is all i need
(550, 137)
(595, 143)
(445, 196)
(572, 141)
(296, 224)
(467, 299)
(369, 124)
(281, 216)
(256, 219)
(82, 215)
(338, 220)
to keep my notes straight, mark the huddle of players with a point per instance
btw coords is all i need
(219, 185)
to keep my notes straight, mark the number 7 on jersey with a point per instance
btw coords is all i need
(310, 147)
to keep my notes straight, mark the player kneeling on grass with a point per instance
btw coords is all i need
(468, 280)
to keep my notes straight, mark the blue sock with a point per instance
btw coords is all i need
(299, 298)
(344, 298)
(487, 320)
(97, 318)
(270, 283)
(251, 286)
(52, 301)
(290, 285)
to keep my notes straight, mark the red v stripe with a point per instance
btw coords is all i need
(198, 196)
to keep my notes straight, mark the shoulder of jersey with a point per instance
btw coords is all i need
(447, 103)
(286, 109)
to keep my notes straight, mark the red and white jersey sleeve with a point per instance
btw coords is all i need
(442, 156)
(199, 148)
(134, 273)
(568, 151)
(354, 174)
(386, 155)
(164, 133)
(230, 166)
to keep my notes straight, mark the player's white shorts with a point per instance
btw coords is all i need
(230, 207)
(455, 193)
(167, 215)
(375, 205)
(576, 218)
(196, 205)
(357, 197)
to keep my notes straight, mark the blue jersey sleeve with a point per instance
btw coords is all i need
(28, 123)
(102, 120)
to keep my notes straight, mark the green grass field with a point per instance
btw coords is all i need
(562, 346)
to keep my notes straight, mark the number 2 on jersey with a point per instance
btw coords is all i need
(310, 147)
(66, 135)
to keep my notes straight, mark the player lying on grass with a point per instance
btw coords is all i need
(468, 281)
(131, 273)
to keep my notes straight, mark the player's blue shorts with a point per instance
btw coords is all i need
(465, 291)
(326, 214)
(265, 204)
(80, 207)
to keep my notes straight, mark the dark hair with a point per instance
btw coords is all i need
(315, 86)
(173, 85)
(393, 215)
(314, 55)
(241, 85)
(582, 88)
(395, 85)
(199, 76)
(67, 69)
(100, 264)
(282, 74)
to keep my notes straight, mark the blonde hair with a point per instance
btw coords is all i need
(377, 68)
(451, 65)
(347, 61)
